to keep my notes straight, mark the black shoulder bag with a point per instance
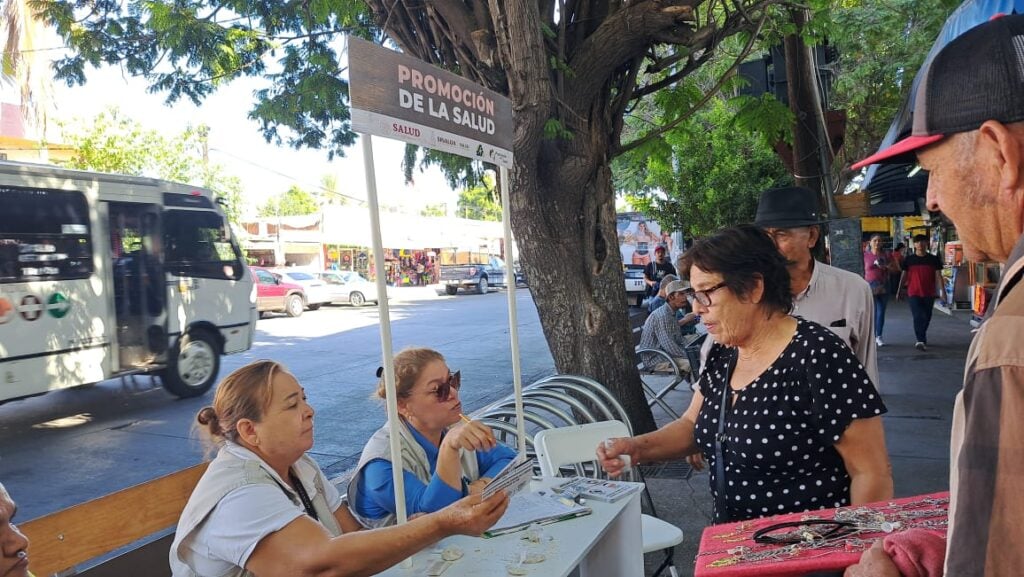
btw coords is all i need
(721, 504)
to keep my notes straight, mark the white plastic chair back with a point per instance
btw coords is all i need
(572, 445)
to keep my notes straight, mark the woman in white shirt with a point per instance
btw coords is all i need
(265, 508)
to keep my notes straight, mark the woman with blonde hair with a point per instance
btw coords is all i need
(263, 507)
(443, 459)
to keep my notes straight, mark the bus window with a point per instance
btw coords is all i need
(197, 243)
(44, 235)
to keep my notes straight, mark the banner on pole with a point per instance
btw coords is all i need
(401, 97)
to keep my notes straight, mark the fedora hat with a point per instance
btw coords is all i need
(788, 207)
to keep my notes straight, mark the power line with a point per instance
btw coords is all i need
(289, 176)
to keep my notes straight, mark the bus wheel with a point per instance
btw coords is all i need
(192, 365)
(293, 306)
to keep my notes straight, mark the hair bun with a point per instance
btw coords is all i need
(207, 416)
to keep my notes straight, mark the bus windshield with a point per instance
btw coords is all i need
(198, 243)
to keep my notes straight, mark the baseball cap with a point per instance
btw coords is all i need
(979, 76)
(677, 286)
(659, 248)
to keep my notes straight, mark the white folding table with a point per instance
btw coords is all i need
(606, 543)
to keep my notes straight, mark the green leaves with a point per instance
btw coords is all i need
(703, 175)
(293, 202)
(112, 142)
(187, 48)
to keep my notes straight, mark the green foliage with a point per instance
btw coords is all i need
(458, 170)
(704, 175)
(434, 210)
(113, 142)
(482, 202)
(329, 193)
(882, 44)
(186, 49)
(293, 202)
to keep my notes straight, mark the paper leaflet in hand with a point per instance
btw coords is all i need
(512, 478)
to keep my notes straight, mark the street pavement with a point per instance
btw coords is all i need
(68, 446)
(918, 388)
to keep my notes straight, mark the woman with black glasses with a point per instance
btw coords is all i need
(784, 413)
(444, 456)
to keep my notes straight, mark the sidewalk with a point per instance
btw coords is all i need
(918, 388)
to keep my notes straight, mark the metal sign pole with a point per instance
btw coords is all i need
(385, 332)
(513, 322)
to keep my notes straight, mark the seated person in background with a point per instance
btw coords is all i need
(662, 330)
(13, 544)
(443, 459)
(264, 507)
(659, 299)
(800, 419)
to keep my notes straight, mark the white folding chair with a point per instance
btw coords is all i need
(564, 446)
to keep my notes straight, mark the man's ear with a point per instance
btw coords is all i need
(814, 233)
(1005, 146)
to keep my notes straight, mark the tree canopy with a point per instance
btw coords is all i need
(704, 175)
(481, 202)
(113, 142)
(292, 202)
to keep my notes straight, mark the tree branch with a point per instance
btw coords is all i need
(707, 96)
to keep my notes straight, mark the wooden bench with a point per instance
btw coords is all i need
(63, 543)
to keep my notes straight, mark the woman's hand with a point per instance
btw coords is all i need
(471, 436)
(696, 461)
(874, 562)
(472, 515)
(477, 487)
(609, 455)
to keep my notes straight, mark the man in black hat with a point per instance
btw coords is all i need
(829, 296)
(968, 133)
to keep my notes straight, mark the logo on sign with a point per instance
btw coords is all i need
(6, 311)
(58, 305)
(31, 308)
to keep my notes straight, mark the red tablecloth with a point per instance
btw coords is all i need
(718, 539)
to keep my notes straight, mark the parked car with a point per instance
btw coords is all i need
(345, 286)
(480, 275)
(273, 293)
(316, 289)
(636, 288)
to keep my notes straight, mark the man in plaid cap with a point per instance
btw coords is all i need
(969, 135)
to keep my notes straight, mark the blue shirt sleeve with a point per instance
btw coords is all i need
(379, 492)
(493, 461)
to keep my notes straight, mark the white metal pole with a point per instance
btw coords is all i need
(513, 321)
(385, 333)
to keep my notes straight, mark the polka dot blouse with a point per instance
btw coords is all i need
(780, 433)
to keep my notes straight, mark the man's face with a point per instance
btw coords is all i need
(794, 243)
(921, 245)
(964, 190)
(659, 255)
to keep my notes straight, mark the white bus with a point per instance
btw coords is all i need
(104, 275)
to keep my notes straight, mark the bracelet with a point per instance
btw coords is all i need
(836, 529)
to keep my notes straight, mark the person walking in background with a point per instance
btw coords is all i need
(923, 276)
(969, 135)
(899, 254)
(878, 264)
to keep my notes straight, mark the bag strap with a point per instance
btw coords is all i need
(721, 503)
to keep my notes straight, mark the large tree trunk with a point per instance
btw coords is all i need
(563, 214)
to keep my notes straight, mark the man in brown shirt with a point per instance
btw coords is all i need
(969, 135)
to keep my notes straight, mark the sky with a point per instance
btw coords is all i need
(237, 144)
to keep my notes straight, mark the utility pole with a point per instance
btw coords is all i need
(812, 154)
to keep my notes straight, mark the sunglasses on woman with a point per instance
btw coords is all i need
(444, 389)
